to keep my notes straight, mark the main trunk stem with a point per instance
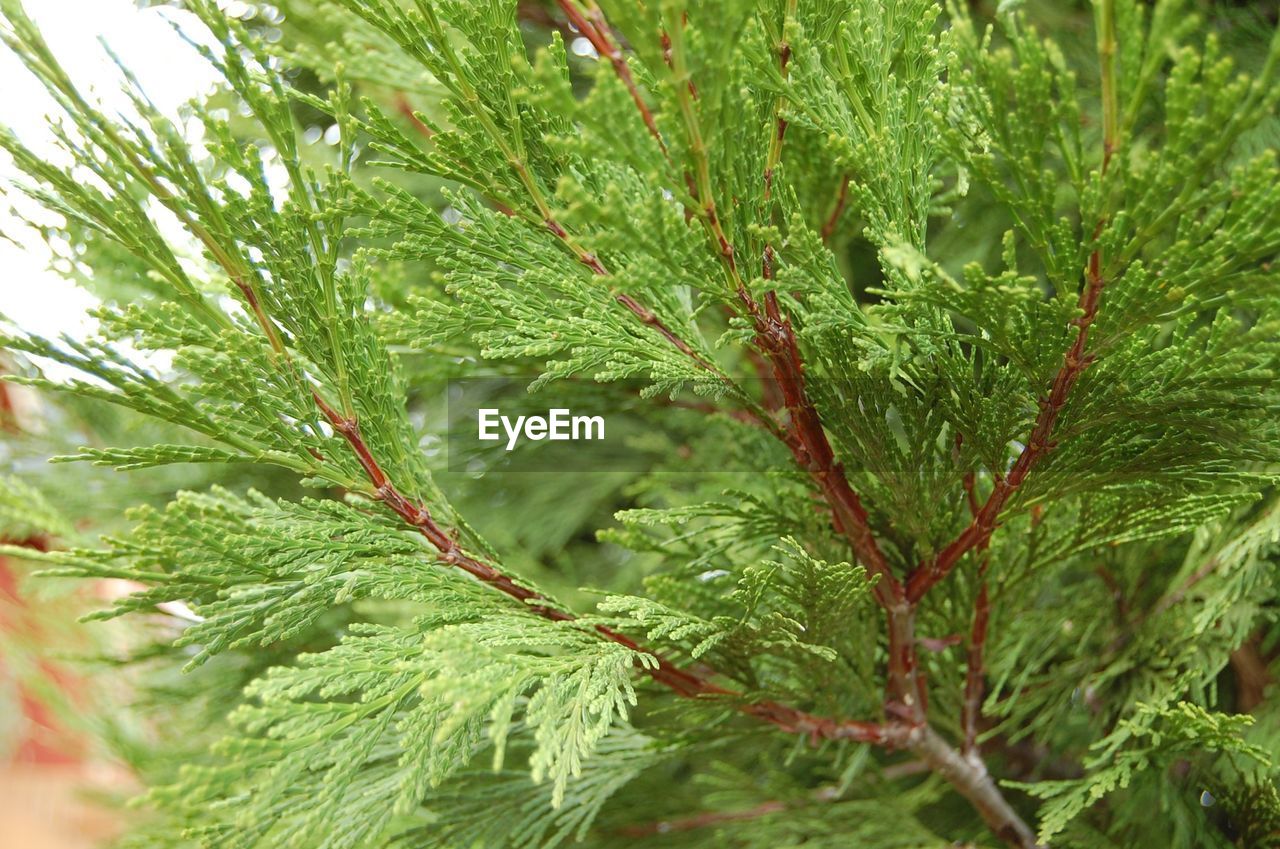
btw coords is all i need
(971, 780)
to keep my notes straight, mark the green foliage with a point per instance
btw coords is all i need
(259, 572)
(1004, 298)
(787, 621)
(26, 512)
(1149, 741)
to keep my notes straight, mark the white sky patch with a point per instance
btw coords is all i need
(32, 295)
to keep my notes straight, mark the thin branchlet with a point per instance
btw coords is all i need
(591, 23)
(663, 671)
(1074, 362)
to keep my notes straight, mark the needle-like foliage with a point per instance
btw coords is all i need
(977, 319)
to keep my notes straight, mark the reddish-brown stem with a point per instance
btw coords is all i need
(646, 315)
(419, 517)
(980, 529)
(1074, 362)
(974, 665)
(890, 734)
(804, 434)
(809, 444)
(970, 489)
(260, 315)
(405, 108)
(703, 820)
(597, 32)
(681, 681)
(842, 197)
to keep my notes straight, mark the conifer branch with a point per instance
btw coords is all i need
(975, 671)
(1077, 358)
(703, 193)
(596, 30)
(971, 707)
(812, 450)
(804, 434)
(842, 198)
(775, 337)
(646, 315)
(518, 163)
(380, 730)
(418, 516)
(649, 318)
(681, 681)
(810, 446)
(971, 780)
(979, 531)
(965, 770)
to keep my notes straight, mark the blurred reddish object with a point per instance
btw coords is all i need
(42, 802)
(43, 741)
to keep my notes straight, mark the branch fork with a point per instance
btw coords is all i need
(803, 433)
